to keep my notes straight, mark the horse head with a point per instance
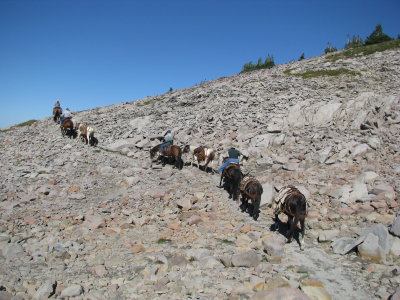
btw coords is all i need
(154, 151)
(186, 149)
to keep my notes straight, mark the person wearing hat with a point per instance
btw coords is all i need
(233, 157)
(168, 140)
(66, 115)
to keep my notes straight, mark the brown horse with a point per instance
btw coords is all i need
(67, 128)
(292, 203)
(251, 189)
(232, 177)
(170, 152)
(57, 111)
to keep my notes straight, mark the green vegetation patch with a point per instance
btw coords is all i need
(152, 101)
(163, 241)
(364, 50)
(317, 73)
(23, 124)
(225, 241)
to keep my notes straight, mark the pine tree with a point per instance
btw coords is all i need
(269, 62)
(377, 36)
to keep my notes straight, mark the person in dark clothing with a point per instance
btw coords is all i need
(233, 157)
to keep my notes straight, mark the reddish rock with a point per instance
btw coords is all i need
(30, 220)
(73, 189)
(281, 294)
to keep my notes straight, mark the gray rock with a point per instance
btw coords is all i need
(14, 251)
(395, 227)
(328, 235)
(268, 194)
(280, 294)
(72, 291)
(246, 259)
(370, 249)
(344, 245)
(46, 290)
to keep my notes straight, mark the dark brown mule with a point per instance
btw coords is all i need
(232, 176)
(67, 128)
(169, 152)
(251, 189)
(291, 202)
(57, 111)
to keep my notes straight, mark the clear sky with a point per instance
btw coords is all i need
(91, 53)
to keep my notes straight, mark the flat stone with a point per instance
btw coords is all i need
(246, 259)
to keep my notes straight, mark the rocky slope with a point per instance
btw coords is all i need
(103, 222)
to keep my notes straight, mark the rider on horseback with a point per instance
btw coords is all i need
(168, 140)
(57, 105)
(233, 157)
(66, 115)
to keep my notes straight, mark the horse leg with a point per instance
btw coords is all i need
(302, 234)
(235, 192)
(229, 189)
(243, 206)
(256, 207)
(276, 222)
(292, 227)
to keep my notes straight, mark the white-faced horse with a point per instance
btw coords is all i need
(201, 154)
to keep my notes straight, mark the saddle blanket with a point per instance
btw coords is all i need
(281, 196)
(246, 180)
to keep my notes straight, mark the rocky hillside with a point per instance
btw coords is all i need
(103, 222)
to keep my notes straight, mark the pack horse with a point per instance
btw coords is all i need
(292, 203)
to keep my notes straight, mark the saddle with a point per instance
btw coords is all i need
(200, 153)
(245, 181)
(280, 203)
(166, 149)
(228, 167)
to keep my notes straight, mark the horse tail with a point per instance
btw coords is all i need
(177, 151)
(180, 160)
(180, 163)
(236, 178)
(258, 190)
(299, 205)
(210, 157)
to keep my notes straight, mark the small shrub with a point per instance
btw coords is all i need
(268, 63)
(163, 241)
(330, 49)
(354, 42)
(225, 241)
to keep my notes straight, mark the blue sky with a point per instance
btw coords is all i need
(92, 53)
